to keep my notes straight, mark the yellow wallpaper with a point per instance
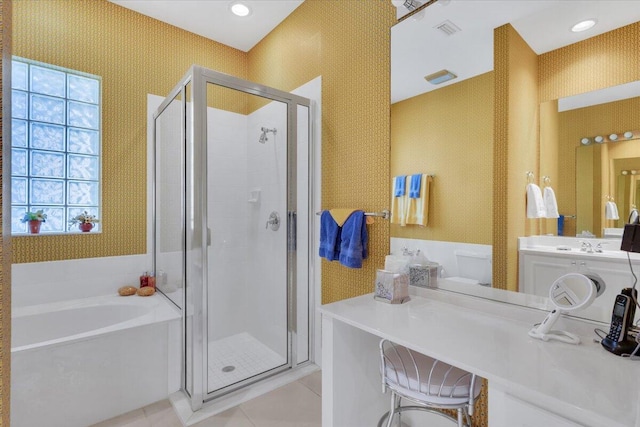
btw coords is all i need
(523, 152)
(500, 150)
(516, 151)
(5, 238)
(606, 60)
(449, 132)
(349, 46)
(550, 163)
(135, 55)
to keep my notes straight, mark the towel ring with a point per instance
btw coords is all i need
(546, 180)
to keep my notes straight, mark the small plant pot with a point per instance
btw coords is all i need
(85, 227)
(34, 226)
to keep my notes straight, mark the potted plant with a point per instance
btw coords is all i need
(85, 221)
(35, 219)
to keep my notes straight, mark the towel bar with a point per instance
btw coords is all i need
(385, 214)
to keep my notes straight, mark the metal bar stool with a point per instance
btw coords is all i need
(427, 382)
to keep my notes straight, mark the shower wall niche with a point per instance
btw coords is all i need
(231, 227)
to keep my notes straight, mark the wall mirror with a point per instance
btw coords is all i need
(449, 129)
(597, 136)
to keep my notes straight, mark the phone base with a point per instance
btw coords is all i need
(626, 347)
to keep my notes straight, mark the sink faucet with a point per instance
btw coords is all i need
(598, 248)
(590, 248)
(406, 251)
(587, 247)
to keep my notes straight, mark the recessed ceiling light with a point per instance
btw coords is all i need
(583, 25)
(240, 9)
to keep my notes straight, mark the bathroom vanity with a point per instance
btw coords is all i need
(542, 259)
(531, 382)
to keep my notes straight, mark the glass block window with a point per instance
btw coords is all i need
(56, 135)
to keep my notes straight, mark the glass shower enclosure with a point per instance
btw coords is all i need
(231, 214)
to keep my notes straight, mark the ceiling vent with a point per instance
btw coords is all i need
(448, 28)
(440, 77)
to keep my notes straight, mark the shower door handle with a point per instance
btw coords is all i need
(273, 221)
(293, 225)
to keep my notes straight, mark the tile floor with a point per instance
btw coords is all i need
(294, 405)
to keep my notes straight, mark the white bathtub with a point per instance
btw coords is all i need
(79, 362)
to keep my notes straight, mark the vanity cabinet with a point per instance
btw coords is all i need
(538, 270)
(509, 411)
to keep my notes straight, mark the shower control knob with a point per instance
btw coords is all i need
(273, 221)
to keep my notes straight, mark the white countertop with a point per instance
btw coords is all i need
(583, 382)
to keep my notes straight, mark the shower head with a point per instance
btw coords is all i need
(265, 131)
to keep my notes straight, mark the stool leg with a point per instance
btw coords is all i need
(392, 410)
(467, 417)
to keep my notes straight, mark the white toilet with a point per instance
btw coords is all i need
(473, 268)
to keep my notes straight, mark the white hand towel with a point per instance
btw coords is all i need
(535, 204)
(550, 203)
(611, 211)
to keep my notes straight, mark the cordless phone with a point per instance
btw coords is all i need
(618, 329)
(617, 340)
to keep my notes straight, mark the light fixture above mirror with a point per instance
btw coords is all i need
(613, 137)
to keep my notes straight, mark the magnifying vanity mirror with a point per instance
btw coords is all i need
(567, 294)
(504, 115)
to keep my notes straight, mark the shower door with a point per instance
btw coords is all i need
(249, 197)
(247, 293)
(232, 181)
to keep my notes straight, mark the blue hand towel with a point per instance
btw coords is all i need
(414, 187)
(353, 241)
(329, 237)
(400, 184)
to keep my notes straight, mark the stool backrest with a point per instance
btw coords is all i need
(418, 373)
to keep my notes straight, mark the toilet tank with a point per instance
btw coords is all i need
(475, 266)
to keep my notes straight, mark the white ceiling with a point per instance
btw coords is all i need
(418, 49)
(213, 19)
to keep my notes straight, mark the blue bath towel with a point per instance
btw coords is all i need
(353, 241)
(329, 237)
(414, 187)
(398, 191)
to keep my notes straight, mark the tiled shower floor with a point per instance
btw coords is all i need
(246, 354)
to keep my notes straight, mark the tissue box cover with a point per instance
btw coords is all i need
(391, 287)
(424, 276)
